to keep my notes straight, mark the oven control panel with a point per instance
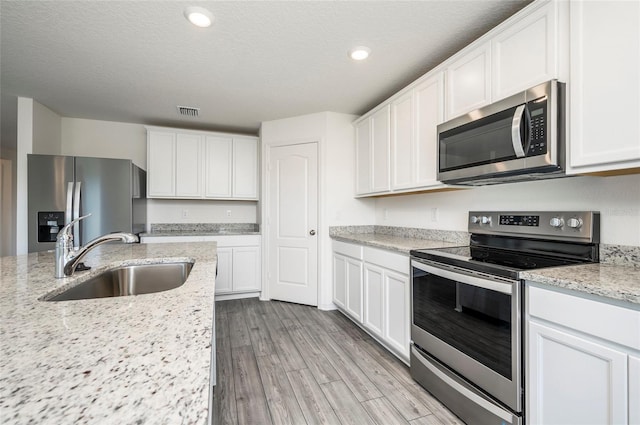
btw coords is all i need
(561, 225)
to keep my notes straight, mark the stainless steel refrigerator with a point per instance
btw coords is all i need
(62, 188)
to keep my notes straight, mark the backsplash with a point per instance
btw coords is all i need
(620, 255)
(204, 227)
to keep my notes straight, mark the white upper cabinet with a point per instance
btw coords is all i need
(161, 147)
(218, 154)
(402, 139)
(428, 113)
(372, 153)
(188, 166)
(604, 94)
(527, 53)
(195, 165)
(469, 81)
(363, 157)
(380, 144)
(245, 168)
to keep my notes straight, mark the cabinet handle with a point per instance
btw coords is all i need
(312, 232)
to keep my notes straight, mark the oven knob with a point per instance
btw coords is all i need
(556, 222)
(474, 219)
(485, 219)
(575, 223)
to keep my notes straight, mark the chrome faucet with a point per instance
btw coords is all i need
(67, 259)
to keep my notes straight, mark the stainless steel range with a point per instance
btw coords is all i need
(467, 307)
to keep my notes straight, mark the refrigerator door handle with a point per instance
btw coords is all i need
(67, 212)
(76, 214)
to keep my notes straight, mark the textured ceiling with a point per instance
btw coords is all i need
(134, 61)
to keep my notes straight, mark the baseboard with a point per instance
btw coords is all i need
(225, 297)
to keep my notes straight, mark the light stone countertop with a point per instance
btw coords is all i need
(400, 244)
(611, 281)
(197, 233)
(141, 359)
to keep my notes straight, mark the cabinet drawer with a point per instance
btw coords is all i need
(610, 322)
(388, 260)
(350, 250)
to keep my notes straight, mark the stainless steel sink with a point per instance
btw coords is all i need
(129, 280)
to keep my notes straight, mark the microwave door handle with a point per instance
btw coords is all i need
(516, 140)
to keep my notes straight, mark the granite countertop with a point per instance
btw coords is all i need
(141, 359)
(201, 229)
(611, 281)
(401, 244)
(197, 233)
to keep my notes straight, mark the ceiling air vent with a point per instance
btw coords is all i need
(188, 111)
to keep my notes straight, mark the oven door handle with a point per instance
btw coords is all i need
(459, 276)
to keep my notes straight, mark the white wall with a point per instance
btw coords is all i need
(46, 130)
(105, 139)
(24, 147)
(334, 134)
(201, 211)
(617, 199)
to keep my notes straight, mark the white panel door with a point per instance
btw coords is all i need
(605, 87)
(225, 271)
(161, 151)
(363, 157)
(402, 154)
(574, 381)
(525, 54)
(429, 112)
(292, 222)
(188, 166)
(469, 82)
(354, 288)
(246, 269)
(373, 299)
(218, 164)
(339, 280)
(396, 304)
(380, 150)
(245, 168)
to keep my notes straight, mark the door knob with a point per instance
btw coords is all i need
(312, 232)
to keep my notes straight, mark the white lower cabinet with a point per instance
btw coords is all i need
(582, 362)
(371, 286)
(239, 262)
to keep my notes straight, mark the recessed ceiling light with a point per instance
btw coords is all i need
(198, 16)
(359, 53)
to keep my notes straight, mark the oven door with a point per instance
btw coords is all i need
(470, 322)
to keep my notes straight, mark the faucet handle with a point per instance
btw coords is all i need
(65, 232)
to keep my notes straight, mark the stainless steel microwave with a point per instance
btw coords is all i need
(518, 138)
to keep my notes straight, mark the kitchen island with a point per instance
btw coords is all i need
(141, 359)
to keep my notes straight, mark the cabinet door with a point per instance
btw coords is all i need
(363, 157)
(573, 380)
(218, 162)
(161, 164)
(634, 390)
(373, 299)
(188, 166)
(402, 154)
(245, 168)
(381, 146)
(339, 280)
(469, 82)
(246, 269)
(604, 89)
(225, 271)
(354, 288)
(429, 112)
(525, 54)
(396, 315)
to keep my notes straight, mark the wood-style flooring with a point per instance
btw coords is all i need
(284, 363)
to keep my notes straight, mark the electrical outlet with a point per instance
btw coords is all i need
(433, 212)
(228, 213)
(385, 214)
(185, 213)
